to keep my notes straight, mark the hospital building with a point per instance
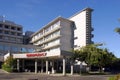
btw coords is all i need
(49, 49)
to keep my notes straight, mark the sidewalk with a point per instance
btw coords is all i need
(2, 71)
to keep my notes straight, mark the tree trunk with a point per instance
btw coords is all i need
(100, 69)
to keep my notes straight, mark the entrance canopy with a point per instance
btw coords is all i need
(34, 55)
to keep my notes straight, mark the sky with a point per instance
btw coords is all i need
(34, 14)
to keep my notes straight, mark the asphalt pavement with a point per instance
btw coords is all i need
(39, 76)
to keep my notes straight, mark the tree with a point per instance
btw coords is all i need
(9, 64)
(117, 30)
(94, 56)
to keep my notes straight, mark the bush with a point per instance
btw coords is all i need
(9, 64)
(6, 68)
(117, 77)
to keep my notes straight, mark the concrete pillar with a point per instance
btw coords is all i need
(53, 71)
(35, 66)
(64, 71)
(41, 66)
(46, 66)
(72, 69)
(57, 66)
(23, 65)
(18, 65)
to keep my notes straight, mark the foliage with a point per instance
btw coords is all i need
(116, 65)
(9, 64)
(117, 77)
(117, 30)
(94, 56)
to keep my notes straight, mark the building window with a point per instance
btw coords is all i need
(19, 40)
(1, 37)
(1, 25)
(6, 26)
(1, 31)
(7, 48)
(19, 34)
(24, 50)
(48, 29)
(1, 47)
(6, 38)
(13, 28)
(12, 39)
(6, 32)
(75, 46)
(56, 25)
(75, 38)
(14, 49)
(57, 33)
(19, 29)
(30, 50)
(12, 33)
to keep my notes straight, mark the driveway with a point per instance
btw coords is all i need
(32, 76)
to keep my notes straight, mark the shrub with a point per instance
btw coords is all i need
(7, 68)
(9, 64)
(117, 77)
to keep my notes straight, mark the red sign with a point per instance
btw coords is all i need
(36, 54)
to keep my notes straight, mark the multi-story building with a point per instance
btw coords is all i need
(65, 34)
(83, 28)
(26, 37)
(55, 38)
(11, 39)
(58, 38)
(11, 32)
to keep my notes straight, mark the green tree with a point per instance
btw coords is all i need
(117, 30)
(94, 56)
(9, 64)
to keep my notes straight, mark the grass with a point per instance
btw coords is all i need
(117, 77)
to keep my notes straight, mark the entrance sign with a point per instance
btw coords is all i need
(36, 54)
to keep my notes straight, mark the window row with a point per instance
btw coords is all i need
(15, 49)
(57, 33)
(52, 43)
(53, 49)
(47, 30)
(10, 27)
(11, 38)
(11, 33)
(52, 26)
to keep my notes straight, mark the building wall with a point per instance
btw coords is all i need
(67, 35)
(83, 29)
(56, 36)
(10, 32)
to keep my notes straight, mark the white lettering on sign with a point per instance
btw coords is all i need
(36, 54)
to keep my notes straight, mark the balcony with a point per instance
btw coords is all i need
(48, 40)
(92, 29)
(52, 31)
(49, 47)
(92, 35)
(45, 34)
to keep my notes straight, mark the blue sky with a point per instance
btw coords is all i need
(34, 14)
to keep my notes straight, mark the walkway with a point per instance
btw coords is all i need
(32, 76)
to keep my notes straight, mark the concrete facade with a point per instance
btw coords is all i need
(11, 32)
(55, 41)
(83, 28)
(55, 38)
